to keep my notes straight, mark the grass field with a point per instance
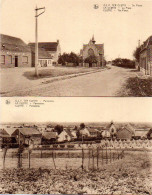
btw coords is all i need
(57, 71)
(130, 175)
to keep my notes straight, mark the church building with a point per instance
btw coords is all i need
(93, 54)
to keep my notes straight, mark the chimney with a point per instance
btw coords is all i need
(58, 41)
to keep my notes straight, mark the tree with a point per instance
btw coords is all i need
(58, 128)
(136, 54)
(91, 59)
(82, 126)
(69, 58)
(123, 62)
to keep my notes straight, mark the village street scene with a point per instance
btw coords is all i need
(90, 62)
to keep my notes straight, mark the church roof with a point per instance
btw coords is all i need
(100, 47)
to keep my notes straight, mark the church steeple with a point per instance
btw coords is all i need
(93, 40)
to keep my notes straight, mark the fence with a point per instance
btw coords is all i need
(84, 158)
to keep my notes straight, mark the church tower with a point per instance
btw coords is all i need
(93, 40)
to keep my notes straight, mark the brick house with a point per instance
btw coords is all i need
(45, 59)
(145, 60)
(92, 49)
(14, 52)
(52, 48)
(25, 135)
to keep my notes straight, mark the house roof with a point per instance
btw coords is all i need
(48, 46)
(92, 130)
(141, 132)
(4, 133)
(49, 135)
(43, 54)
(10, 131)
(27, 131)
(9, 43)
(146, 44)
(68, 132)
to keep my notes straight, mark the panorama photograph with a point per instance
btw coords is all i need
(77, 48)
(83, 148)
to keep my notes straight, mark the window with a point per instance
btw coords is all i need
(90, 52)
(10, 59)
(25, 59)
(2, 59)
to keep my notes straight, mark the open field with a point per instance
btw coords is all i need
(130, 175)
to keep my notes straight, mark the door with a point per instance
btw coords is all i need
(16, 61)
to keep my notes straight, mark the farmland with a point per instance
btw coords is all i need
(131, 174)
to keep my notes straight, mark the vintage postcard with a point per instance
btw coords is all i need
(77, 146)
(71, 74)
(75, 48)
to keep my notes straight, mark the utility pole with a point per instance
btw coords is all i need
(36, 37)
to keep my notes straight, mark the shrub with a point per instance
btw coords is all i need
(123, 62)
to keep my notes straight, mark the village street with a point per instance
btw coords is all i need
(106, 82)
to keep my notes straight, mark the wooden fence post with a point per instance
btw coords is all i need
(110, 155)
(118, 153)
(29, 158)
(4, 156)
(53, 160)
(93, 158)
(41, 153)
(82, 159)
(89, 159)
(102, 156)
(106, 155)
(97, 156)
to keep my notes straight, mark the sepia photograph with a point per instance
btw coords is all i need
(53, 48)
(77, 146)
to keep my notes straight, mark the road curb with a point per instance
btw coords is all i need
(69, 76)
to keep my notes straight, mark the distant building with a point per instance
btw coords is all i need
(48, 137)
(14, 52)
(145, 60)
(121, 131)
(26, 135)
(95, 51)
(52, 48)
(84, 133)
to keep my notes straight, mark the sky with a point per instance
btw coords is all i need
(74, 22)
(78, 110)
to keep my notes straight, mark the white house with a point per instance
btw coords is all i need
(85, 132)
(65, 135)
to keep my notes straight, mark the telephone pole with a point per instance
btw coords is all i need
(36, 37)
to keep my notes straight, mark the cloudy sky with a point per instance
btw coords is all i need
(74, 22)
(79, 110)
